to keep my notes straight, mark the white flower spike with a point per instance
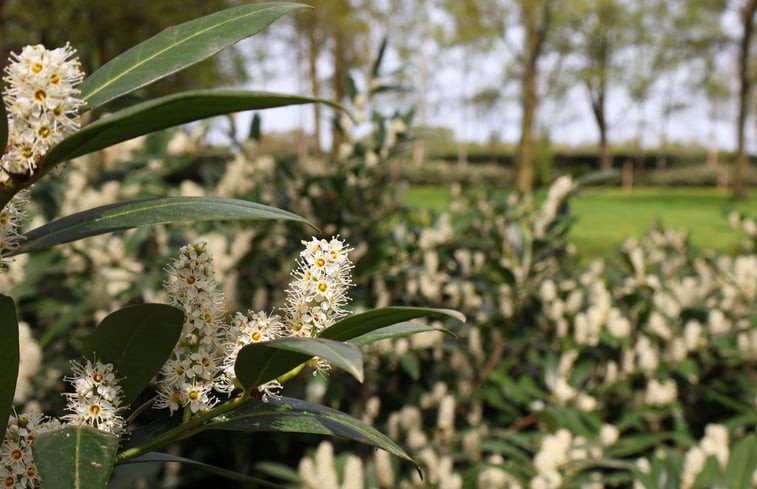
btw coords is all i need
(42, 104)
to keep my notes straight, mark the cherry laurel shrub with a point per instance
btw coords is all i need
(636, 370)
(201, 367)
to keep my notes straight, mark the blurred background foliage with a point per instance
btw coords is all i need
(588, 360)
(101, 30)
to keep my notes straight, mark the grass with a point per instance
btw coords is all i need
(605, 217)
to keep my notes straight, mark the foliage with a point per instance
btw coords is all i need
(621, 372)
(220, 372)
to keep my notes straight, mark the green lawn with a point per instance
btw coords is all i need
(606, 216)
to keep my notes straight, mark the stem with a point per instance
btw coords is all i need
(139, 410)
(187, 428)
(292, 373)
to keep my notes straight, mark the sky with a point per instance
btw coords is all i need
(569, 120)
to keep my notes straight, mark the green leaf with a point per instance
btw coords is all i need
(397, 330)
(365, 322)
(280, 471)
(290, 415)
(75, 457)
(161, 113)
(137, 340)
(260, 362)
(125, 215)
(176, 48)
(212, 469)
(8, 358)
(742, 463)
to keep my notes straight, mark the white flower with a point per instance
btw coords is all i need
(17, 468)
(557, 193)
(715, 442)
(244, 330)
(693, 464)
(585, 402)
(554, 452)
(608, 434)
(319, 290)
(661, 393)
(646, 353)
(617, 325)
(196, 362)
(97, 398)
(692, 332)
(446, 414)
(718, 323)
(494, 477)
(42, 105)
(29, 364)
(384, 469)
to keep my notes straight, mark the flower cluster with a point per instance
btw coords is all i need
(319, 472)
(96, 400)
(188, 375)
(204, 358)
(17, 468)
(42, 105)
(319, 290)
(246, 329)
(314, 302)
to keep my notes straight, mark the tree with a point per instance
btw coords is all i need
(483, 25)
(686, 40)
(745, 85)
(536, 17)
(603, 29)
(336, 29)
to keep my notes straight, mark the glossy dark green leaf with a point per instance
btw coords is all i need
(75, 457)
(126, 215)
(212, 469)
(161, 113)
(137, 340)
(397, 330)
(176, 48)
(260, 362)
(297, 416)
(8, 358)
(365, 322)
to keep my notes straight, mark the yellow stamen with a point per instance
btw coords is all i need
(95, 410)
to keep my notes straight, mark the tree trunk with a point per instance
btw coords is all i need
(314, 85)
(597, 86)
(524, 179)
(740, 178)
(340, 77)
(597, 93)
(536, 20)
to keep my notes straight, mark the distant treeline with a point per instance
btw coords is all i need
(590, 160)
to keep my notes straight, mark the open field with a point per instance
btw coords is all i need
(606, 216)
